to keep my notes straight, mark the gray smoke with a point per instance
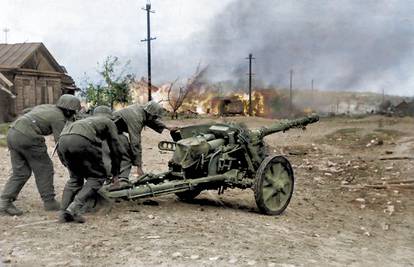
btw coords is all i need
(342, 45)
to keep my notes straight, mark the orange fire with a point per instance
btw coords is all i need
(206, 100)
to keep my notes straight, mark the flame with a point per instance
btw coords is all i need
(206, 100)
(258, 102)
(139, 93)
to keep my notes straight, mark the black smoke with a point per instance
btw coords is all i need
(342, 45)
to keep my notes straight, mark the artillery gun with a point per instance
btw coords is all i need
(220, 156)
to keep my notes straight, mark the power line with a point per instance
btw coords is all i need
(290, 92)
(6, 31)
(250, 58)
(312, 95)
(148, 40)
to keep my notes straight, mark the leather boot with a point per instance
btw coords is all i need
(74, 210)
(7, 207)
(65, 216)
(51, 205)
(67, 198)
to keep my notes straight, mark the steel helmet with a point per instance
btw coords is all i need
(154, 108)
(69, 102)
(102, 111)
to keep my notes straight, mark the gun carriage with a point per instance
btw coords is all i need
(220, 156)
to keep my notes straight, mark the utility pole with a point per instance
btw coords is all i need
(250, 58)
(383, 96)
(290, 93)
(148, 40)
(337, 105)
(313, 95)
(6, 31)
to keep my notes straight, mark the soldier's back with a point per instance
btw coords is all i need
(41, 120)
(94, 128)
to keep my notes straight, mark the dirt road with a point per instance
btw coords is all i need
(333, 219)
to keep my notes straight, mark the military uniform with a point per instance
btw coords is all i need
(28, 151)
(80, 150)
(135, 117)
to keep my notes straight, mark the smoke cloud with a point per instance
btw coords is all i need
(342, 45)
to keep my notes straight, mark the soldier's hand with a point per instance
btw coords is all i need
(115, 180)
(140, 172)
(173, 129)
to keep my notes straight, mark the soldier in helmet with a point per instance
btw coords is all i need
(80, 150)
(134, 118)
(28, 151)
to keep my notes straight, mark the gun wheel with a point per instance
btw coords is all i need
(274, 184)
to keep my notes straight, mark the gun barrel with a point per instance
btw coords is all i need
(288, 124)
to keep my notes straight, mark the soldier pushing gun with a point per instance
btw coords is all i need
(133, 119)
(28, 151)
(84, 144)
(80, 150)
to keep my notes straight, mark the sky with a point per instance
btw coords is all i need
(342, 45)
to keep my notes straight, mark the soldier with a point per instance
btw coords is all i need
(134, 118)
(28, 151)
(80, 150)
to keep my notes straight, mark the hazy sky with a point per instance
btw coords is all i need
(341, 44)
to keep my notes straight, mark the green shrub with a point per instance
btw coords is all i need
(4, 127)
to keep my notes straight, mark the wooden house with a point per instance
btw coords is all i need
(405, 108)
(29, 76)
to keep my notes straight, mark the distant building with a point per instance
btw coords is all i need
(226, 106)
(139, 92)
(29, 76)
(404, 108)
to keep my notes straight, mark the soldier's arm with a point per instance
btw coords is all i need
(115, 147)
(156, 125)
(136, 149)
(57, 128)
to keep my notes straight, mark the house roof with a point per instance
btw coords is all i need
(5, 81)
(16, 55)
(403, 104)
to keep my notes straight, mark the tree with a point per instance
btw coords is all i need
(176, 98)
(95, 94)
(114, 86)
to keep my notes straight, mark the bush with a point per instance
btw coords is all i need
(4, 127)
(114, 86)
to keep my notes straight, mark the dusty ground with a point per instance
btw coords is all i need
(330, 221)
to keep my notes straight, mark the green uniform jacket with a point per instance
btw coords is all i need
(135, 118)
(40, 121)
(98, 129)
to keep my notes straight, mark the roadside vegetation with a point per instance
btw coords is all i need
(3, 132)
(113, 85)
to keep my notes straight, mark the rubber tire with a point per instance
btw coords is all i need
(258, 193)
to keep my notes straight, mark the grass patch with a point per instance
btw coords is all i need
(358, 138)
(345, 133)
(387, 135)
(4, 127)
(389, 132)
(344, 137)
